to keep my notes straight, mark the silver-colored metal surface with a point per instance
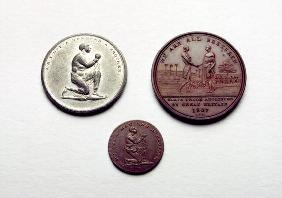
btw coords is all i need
(84, 74)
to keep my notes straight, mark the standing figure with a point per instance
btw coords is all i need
(208, 68)
(186, 58)
(187, 70)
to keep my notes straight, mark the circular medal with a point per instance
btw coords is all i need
(83, 74)
(136, 147)
(198, 76)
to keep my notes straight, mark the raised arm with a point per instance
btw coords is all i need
(83, 62)
(186, 59)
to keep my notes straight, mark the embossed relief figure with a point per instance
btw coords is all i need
(188, 63)
(187, 70)
(205, 71)
(208, 69)
(85, 75)
(136, 146)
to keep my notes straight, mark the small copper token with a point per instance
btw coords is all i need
(136, 147)
(198, 76)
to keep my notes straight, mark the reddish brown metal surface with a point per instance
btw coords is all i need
(198, 77)
(136, 147)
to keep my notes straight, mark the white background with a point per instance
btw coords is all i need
(47, 153)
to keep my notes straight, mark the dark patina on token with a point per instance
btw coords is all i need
(198, 77)
(136, 147)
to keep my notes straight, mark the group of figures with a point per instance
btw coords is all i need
(204, 72)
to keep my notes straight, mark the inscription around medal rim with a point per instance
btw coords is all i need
(66, 42)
